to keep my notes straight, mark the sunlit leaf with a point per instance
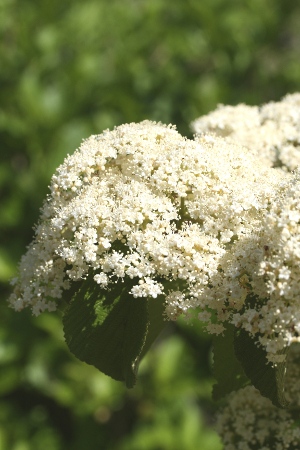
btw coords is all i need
(107, 329)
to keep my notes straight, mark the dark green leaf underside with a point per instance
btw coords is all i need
(227, 370)
(269, 380)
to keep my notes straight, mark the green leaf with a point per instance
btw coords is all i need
(265, 377)
(156, 322)
(227, 370)
(107, 329)
(110, 329)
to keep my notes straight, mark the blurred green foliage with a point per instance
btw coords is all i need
(70, 69)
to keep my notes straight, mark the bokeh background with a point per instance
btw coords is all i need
(74, 68)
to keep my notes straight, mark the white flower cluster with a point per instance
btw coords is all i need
(277, 274)
(145, 203)
(271, 132)
(250, 421)
(204, 224)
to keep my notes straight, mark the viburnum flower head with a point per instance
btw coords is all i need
(182, 220)
(250, 421)
(271, 132)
